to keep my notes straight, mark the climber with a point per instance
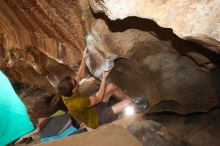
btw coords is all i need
(92, 110)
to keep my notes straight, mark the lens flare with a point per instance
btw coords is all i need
(129, 110)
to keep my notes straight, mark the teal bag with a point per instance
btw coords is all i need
(14, 119)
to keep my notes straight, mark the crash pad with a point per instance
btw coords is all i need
(106, 136)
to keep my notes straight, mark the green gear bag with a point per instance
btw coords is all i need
(14, 119)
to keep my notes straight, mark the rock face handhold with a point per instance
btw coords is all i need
(102, 55)
(192, 20)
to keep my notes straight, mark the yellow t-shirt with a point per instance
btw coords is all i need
(80, 107)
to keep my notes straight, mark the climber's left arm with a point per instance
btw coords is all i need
(81, 72)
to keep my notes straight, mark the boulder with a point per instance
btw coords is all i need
(42, 41)
(151, 68)
(38, 35)
(151, 133)
(190, 19)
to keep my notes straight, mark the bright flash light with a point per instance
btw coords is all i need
(129, 110)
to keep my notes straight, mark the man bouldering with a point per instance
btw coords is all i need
(14, 121)
(92, 110)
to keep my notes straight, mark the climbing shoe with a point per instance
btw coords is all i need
(141, 104)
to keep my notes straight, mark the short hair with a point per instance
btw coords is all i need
(65, 86)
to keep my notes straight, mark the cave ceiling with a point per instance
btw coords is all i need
(189, 19)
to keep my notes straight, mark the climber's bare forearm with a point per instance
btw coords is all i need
(101, 92)
(81, 72)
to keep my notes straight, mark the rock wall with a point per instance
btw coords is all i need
(151, 68)
(42, 41)
(189, 19)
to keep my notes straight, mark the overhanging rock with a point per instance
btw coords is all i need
(193, 20)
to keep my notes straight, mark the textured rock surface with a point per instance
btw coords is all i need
(151, 68)
(198, 129)
(151, 133)
(42, 41)
(38, 36)
(38, 103)
(192, 20)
